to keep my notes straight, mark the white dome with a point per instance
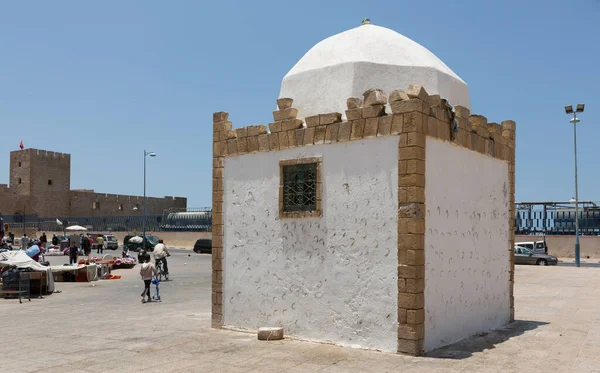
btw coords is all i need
(347, 64)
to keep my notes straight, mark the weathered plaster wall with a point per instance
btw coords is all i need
(332, 278)
(466, 243)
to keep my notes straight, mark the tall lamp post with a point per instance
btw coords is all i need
(569, 110)
(146, 154)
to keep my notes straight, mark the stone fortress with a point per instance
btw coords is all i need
(375, 211)
(40, 183)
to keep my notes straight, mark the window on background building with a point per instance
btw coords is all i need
(19, 164)
(96, 205)
(49, 181)
(19, 180)
(300, 194)
(121, 207)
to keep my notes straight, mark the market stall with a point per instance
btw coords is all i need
(18, 259)
(80, 273)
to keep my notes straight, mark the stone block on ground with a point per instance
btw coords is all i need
(270, 334)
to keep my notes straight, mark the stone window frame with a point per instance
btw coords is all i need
(50, 182)
(301, 214)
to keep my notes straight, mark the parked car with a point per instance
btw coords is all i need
(203, 246)
(525, 256)
(110, 242)
(538, 247)
(151, 241)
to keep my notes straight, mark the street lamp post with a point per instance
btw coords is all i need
(569, 110)
(146, 154)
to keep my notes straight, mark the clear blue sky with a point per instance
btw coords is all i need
(105, 80)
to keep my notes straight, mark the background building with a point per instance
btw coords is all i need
(40, 184)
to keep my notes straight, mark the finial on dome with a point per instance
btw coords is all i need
(366, 21)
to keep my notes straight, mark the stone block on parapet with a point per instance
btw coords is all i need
(435, 101)
(257, 129)
(241, 132)
(284, 103)
(405, 106)
(374, 96)
(344, 131)
(417, 91)
(329, 118)
(478, 120)
(263, 143)
(373, 111)
(275, 127)
(398, 95)
(279, 115)
(273, 141)
(384, 126)
(354, 114)
(354, 103)
(291, 124)
(462, 111)
(220, 116)
(371, 125)
(312, 121)
(222, 126)
(252, 142)
(299, 134)
(509, 125)
(331, 133)
(309, 136)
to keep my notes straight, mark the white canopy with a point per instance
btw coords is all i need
(136, 239)
(75, 228)
(19, 259)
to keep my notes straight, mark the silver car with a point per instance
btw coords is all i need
(525, 256)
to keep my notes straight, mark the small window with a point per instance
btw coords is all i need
(121, 207)
(19, 180)
(300, 188)
(49, 181)
(96, 205)
(19, 164)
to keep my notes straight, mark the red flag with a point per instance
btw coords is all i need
(21, 145)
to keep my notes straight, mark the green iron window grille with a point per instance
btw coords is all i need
(300, 187)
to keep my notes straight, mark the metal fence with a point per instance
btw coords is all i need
(188, 220)
(552, 220)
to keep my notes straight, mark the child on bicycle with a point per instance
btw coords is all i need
(147, 270)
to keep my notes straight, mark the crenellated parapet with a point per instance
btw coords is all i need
(375, 114)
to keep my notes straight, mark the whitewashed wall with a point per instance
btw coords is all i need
(466, 244)
(328, 279)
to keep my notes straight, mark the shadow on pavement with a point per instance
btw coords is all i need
(484, 341)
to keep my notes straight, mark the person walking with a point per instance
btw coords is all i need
(160, 255)
(24, 242)
(73, 253)
(44, 241)
(99, 244)
(147, 270)
(86, 245)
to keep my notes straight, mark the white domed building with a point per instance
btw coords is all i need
(369, 213)
(347, 64)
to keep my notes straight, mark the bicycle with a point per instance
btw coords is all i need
(156, 282)
(161, 272)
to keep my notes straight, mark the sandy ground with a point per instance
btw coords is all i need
(103, 327)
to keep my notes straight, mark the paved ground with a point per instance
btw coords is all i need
(102, 326)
